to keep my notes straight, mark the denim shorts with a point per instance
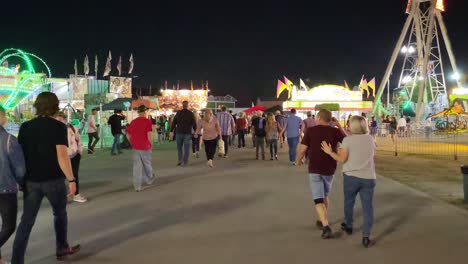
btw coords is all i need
(320, 185)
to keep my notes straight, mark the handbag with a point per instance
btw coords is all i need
(221, 147)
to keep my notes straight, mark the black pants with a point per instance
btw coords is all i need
(196, 144)
(226, 144)
(75, 162)
(92, 136)
(241, 137)
(56, 192)
(210, 148)
(8, 210)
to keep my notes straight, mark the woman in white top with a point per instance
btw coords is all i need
(75, 149)
(357, 154)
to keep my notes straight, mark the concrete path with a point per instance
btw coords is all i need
(242, 211)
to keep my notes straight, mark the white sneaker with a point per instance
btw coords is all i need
(80, 199)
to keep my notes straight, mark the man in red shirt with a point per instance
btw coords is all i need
(321, 166)
(139, 133)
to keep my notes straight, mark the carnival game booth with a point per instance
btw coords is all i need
(349, 101)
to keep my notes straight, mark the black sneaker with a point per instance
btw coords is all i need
(319, 224)
(348, 230)
(62, 254)
(366, 242)
(327, 232)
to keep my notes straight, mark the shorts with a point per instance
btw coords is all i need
(320, 185)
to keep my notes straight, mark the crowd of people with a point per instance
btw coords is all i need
(48, 150)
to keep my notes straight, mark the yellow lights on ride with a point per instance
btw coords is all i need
(440, 5)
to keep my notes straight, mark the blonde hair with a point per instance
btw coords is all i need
(358, 125)
(242, 115)
(206, 118)
(270, 120)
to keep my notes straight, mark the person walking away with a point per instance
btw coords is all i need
(293, 128)
(428, 126)
(393, 129)
(92, 131)
(160, 129)
(232, 139)
(75, 149)
(373, 127)
(211, 132)
(272, 133)
(408, 127)
(357, 154)
(139, 133)
(45, 144)
(226, 121)
(241, 125)
(259, 127)
(401, 126)
(252, 129)
(321, 166)
(115, 122)
(309, 121)
(12, 171)
(196, 139)
(281, 123)
(183, 123)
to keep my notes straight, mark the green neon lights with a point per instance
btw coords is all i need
(19, 86)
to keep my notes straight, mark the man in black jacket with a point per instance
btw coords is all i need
(115, 121)
(184, 124)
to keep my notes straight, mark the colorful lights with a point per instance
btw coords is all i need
(15, 86)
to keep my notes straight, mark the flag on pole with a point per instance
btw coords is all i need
(202, 85)
(289, 86)
(119, 65)
(86, 65)
(177, 84)
(130, 70)
(371, 84)
(280, 87)
(95, 64)
(207, 85)
(165, 85)
(191, 85)
(302, 85)
(363, 86)
(253, 104)
(108, 68)
(76, 67)
(346, 85)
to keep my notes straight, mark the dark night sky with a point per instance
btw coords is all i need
(242, 48)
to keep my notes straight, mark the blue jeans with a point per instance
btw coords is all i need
(56, 192)
(320, 185)
(292, 143)
(365, 188)
(183, 141)
(142, 168)
(116, 146)
(226, 144)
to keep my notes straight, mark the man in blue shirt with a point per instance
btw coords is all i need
(293, 127)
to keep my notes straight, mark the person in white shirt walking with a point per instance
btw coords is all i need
(75, 150)
(92, 131)
(401, 126)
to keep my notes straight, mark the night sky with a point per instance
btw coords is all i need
(242, 48)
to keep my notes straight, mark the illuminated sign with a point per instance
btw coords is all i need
(362, 106)
(327, 93)
(172, 99)
(460, 91)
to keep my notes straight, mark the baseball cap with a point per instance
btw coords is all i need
(142, 109)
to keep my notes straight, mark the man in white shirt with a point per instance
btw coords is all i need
(92, 131)
(401, 126)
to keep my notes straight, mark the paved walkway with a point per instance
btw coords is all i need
(242, 211)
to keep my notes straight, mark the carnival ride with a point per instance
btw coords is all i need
(422, 73)
(15, 85)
